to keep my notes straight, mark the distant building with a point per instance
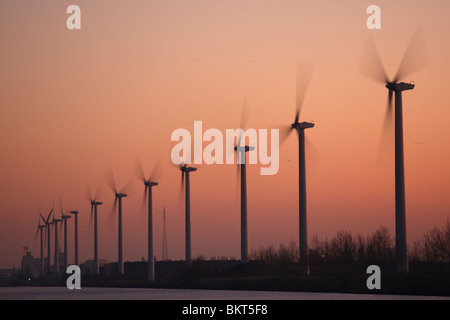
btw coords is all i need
(88, 267)
(30, 266)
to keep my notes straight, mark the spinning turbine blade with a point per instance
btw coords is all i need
(370, 64)
(304, 75)
(415, 57)
(386, 147)
(109, 179)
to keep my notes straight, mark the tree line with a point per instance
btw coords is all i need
(347, 249)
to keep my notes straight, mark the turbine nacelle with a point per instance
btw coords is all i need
(302, 125)
(398, 87)
(246, 148)
(120, 195)
(73, 212)
(187, 169)
(150, 183)
(96, 203)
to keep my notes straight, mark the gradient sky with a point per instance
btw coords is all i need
(74, 102)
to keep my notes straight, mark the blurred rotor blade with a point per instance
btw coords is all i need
(112, 214)
(142, 210)
(313, 156)
(181, 192)
(43, 219)
(48, 218)
(415, 57)
(90, 219)
(109, 179)
(370, 64)
(157, 171)
(386, 145)
(284, 132)
(88, 193)
(139, 170)
(304, 75)
(127, 188)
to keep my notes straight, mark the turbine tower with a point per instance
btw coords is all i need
(165, 255)
(413, 60)
(118, 196)
(304, 74)
(94, 204)
(149, 183)
(75, 214)
(48, 223)
(64, 219)
(56, 261)
(185, 170)
(241, 161)
(39, 229)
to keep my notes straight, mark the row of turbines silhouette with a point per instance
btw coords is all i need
(373, 68)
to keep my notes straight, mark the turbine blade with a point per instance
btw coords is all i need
(112, 214)
(285, 132)
(127, 188)
(48, 218)
(370, 64)
(144, 203)
(386, 144)
(415, 57)
(313, 156)
(181, 191)
(139, 170)
(87, 191)
(157, 171)
(304, 75)
(109, 179)
(92, 214)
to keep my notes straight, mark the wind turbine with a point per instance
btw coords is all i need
(304, 74)
(48, 223)
(413, 60)
(94, 204)
(149, 184)
(185, 171)
(75, 214)
(64, 219)
(241, 161)
(39, 229)
(118, 196)
(55, 222)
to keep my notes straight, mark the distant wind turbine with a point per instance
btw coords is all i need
(75, 214)
(241, 162)
(39, 229)
(55, 223)
(118, 196)
(149, 183)
(48, 223)
(304, 74)
(94, 204)
(413, 60)
(185, 171)
(64, 219)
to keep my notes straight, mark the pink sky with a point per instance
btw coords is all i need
(75, 102)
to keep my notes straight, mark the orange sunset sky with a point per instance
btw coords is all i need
(75, 102)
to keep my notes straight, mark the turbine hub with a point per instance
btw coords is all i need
(302, 125)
